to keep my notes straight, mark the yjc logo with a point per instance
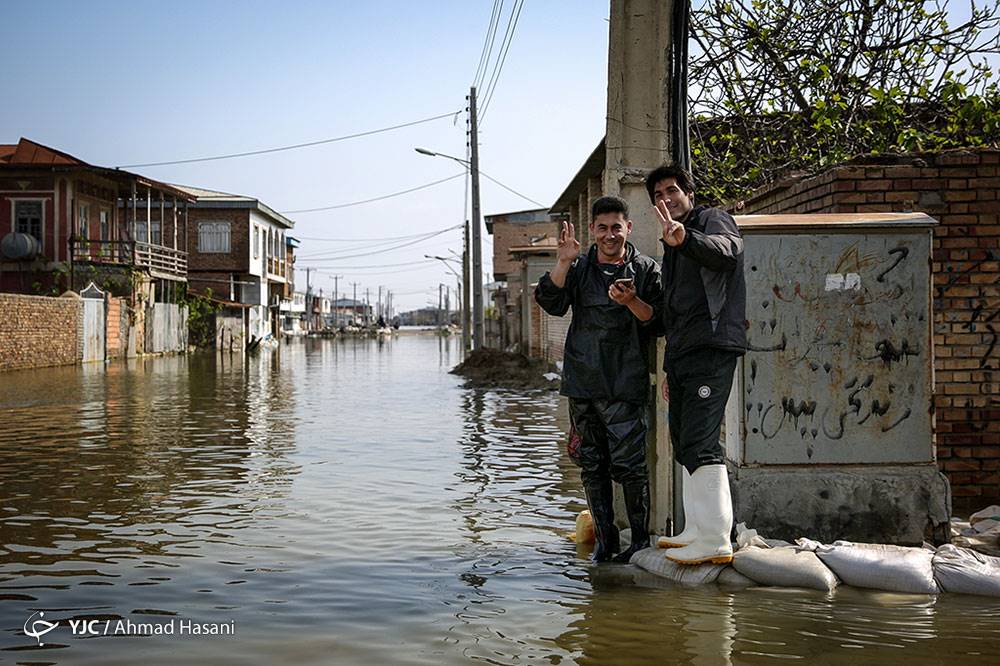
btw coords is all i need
(39, 627)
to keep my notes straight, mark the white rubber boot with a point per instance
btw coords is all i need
(714, 518)
(690, 530)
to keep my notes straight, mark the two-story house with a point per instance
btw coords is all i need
(239, 249)
(71, 222)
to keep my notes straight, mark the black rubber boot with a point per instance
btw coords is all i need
(637, 507)
(600, 501)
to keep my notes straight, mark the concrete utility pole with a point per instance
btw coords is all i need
(440, 297)
(355, 304)
(310, 317)
(477, 251)
(336, 297)
(639, 115)
(466, 301)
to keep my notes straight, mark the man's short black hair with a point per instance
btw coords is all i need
(681, 175)
(608, 205)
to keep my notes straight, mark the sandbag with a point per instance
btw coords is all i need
(881, 567)
(784, 567)
(966, 571)
(730, 577)
(653, 561)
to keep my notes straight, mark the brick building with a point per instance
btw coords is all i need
(511, 230)
(960, 190)
(240, 249)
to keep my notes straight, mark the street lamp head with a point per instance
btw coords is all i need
(424, 151)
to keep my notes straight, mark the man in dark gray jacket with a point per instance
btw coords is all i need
(615, 295)
(704, 315)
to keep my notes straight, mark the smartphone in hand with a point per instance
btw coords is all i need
(625, 282)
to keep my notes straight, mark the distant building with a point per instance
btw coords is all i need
(509, 230)
(240, 249)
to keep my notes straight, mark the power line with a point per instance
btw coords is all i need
(364, 201)
(512, 26)
(337, 255)
(291, 147)
(348, 268)
(491, 33)
(362, 240)
(526, 198)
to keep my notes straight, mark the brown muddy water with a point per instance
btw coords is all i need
(348, 502)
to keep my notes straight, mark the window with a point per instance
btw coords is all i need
(213, 237)
(83, 220)
(28, 218)
(155, 236)
(256, 241)
(105, 232)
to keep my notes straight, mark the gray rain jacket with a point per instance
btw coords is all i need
(606, 356)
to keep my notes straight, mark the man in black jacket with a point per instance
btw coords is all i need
(615, 294)
(704, 315)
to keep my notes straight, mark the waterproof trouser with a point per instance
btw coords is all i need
(699, 384)
(613, 447)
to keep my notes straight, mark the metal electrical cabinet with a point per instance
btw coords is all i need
(829, 426)
(840, 366)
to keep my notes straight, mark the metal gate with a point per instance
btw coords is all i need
(93, 323)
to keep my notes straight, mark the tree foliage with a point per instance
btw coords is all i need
(800, 85)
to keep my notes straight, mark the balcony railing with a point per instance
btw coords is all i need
(159, 260)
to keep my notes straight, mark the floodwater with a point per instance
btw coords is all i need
(348, 502)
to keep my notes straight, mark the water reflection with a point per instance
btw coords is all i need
(350, 501)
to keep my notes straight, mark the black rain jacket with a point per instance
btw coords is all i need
(704, 290)
(607, 347)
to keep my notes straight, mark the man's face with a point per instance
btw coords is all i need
(610, 231)
(679, 202)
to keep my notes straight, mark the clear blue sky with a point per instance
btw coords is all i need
(118, 83)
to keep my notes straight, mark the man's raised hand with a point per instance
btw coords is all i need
(569, 246)
(673, 232)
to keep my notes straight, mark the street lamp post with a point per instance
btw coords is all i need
(477, 259)
(462, 290)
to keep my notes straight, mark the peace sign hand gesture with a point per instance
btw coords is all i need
(569, 246)
(673, 232)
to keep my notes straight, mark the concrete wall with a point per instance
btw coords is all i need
(39, 331)
(960, 190)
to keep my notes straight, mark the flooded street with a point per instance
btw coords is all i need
(347, 501)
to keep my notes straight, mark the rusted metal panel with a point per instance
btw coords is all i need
(841, 362)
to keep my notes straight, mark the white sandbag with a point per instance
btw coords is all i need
(784, 567)
(730, 577)
(989, 513)
(966, 571)
(881, 567)
(654, 561)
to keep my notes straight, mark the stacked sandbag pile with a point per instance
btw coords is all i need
(813, 565)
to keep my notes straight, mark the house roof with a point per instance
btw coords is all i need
(205, 198)
(527, 216)
(593, 166)
(28, 154)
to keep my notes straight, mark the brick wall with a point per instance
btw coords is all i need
(38, 331)
(959, 189)
(507, 235)
(239, 228)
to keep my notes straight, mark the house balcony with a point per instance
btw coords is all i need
(161, 262)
